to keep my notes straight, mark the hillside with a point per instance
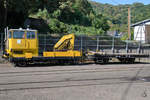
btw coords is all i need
(117, 15)
(61, 16)
(70, 16)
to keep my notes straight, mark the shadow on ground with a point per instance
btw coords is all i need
(81, 64)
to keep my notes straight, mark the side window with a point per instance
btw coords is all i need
(9, 34)
(30, 35)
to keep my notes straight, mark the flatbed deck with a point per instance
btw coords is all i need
(102, 57)
(135, 55)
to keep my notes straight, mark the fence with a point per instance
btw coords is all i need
(96, 43)
(105, 44)
(2, 36)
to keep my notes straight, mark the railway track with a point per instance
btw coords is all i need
(68, 71)
(68, 82)
(115, 80)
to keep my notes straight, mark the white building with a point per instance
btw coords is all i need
(142, 31)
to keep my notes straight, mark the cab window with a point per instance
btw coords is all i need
(10, 34)
(18, 34)
(30, 34)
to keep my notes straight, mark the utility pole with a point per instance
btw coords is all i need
(129, 22)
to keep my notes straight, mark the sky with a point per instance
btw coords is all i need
(116, 2)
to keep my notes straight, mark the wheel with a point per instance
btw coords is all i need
(105, 61)
(131, 60)
(127, 60)
(101, 61)
(21, 64)
(123, 60)
(97, 61)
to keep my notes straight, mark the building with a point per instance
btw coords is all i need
(142, 31)
(115, 33)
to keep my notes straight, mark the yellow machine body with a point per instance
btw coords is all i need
(70, 53)
(65, 43)
(21, 43)
(64, 48)
(22, 47)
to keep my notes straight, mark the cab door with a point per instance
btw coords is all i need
(18, 41)
(32, 42)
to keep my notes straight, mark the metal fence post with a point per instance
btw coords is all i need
(97, 49)
(113, 44)
(1, 41)
(139, 48)
(81, 43)
(127, 49)
(81, 48)
(45, 43)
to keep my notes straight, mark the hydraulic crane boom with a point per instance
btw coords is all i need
(65, 43)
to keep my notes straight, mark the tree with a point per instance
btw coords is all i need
(100, 22)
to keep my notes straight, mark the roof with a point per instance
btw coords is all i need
(22, 29)
(140, 23)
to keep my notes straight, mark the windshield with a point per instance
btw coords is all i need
(18, 34)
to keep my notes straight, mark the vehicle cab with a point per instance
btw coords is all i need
(21, 43)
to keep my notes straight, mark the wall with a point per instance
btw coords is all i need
(142, 33)
(147, 34)
(139, 33)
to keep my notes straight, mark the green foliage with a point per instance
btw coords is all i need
(57, 27)
(62, 16)
(72, 13)
(100, 21)
(117, 15)
(16, 11)
(78, 30)
(77, 16)
(43, 14)
(125, 37)
(56, 13)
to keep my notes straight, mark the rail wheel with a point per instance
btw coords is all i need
(122, 60)
(20, 64)
(101, 61)
(127, 60)
(131, 60)
(105, 61)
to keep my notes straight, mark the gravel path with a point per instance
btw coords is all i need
(75, 82)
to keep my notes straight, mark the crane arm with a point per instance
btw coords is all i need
(65, 43)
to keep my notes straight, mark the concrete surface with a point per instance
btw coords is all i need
(75, 82)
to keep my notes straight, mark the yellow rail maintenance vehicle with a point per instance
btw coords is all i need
(22, 48)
